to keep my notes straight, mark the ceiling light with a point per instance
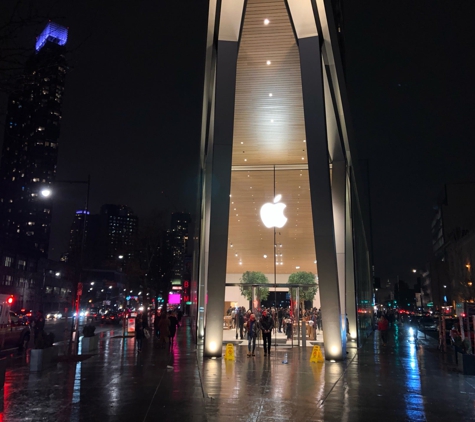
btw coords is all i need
(270, 94)
(245, 159)
(265, 256)
(304, 140)
(236, 254)
(297, 268)
(303, 158)
(266, 21)
(272, 121)
(268, 62)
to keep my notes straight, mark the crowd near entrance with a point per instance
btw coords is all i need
(281, 312)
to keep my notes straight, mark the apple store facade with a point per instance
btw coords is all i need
(279, 192)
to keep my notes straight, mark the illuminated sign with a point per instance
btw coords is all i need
(176, 287)
(174, 299)
(176, 283)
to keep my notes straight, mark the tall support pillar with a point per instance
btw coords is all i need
(321, 197)
(220, 187)
(350, 267)
(338, 183)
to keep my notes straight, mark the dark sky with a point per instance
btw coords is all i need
(133, 97)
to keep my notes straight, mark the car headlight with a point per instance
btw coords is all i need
(48, 316)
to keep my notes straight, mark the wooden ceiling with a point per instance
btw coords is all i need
(269, 131)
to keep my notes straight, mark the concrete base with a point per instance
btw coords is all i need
(41, 359)
(89, 344)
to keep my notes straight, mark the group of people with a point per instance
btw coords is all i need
(282, 319)
(165, 325)
(254, 327)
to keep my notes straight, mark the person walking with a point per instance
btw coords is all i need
(266, 324)
(252, 329)
(383, 326)
(172, 328)
(240, 323)
(139, 334)
(164, 328)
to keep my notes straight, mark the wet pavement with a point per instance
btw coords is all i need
(405, 381)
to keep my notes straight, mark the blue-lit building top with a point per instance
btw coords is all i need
(53, 33)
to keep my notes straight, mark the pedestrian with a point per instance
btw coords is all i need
(39, 325)
(239, 323)
(172, 328)
(266, 324)
(383, 326)
(252, 331)
(139, 334)
(280, 317)
(164, 328)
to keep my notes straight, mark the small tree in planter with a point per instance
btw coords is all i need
(88, 330)
(306, 293)
(90, 341)
(254, 277)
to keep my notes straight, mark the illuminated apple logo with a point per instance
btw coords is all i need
(272, 215)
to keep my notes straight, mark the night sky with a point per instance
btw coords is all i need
(133, 97)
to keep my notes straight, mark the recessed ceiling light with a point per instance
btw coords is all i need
(297, 268)
(314, 262)
(268, 62)
(242, 143)
(235, 254)
(272, 121)
(270, 94)
(245, 159)
(303, 158)
(266, 21)
(304, 140)
(265, 256)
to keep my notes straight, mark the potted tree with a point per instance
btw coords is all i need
(90, 341)
(261, 293)
(310, 288)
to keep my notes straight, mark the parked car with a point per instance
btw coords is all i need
(428, 323)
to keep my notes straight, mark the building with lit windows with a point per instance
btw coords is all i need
(110, 236)
(30, 147)
(279, 174)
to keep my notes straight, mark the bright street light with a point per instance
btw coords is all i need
(46, 192)
(57, 274)
(414, 271)
(121, 256)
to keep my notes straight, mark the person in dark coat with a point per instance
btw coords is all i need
(266, 324)
(172, 328)
(139, 335)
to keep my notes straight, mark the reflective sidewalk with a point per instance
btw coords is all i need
(403, 381)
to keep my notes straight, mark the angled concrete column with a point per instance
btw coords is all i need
(219, 190)
(350, 269)
(321, 197)
(339, 218)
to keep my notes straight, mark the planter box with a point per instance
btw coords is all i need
(89, 344)
(41, 359)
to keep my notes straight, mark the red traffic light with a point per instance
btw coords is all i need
(10, 300)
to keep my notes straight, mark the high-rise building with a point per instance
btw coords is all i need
(30, 147)
(178, 243)
(110, 237)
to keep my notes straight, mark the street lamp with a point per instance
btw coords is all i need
(46, 192)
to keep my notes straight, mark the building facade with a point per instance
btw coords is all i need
(279, 174)
(30, 147)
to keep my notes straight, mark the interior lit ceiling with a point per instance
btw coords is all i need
(268, 124)
(269, 130)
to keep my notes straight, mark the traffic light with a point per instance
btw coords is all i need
(10, 300)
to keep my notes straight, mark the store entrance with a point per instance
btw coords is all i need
(297, 322)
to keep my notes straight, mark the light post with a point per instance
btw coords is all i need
(46, 193)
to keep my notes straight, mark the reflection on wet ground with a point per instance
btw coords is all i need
(403, 381)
